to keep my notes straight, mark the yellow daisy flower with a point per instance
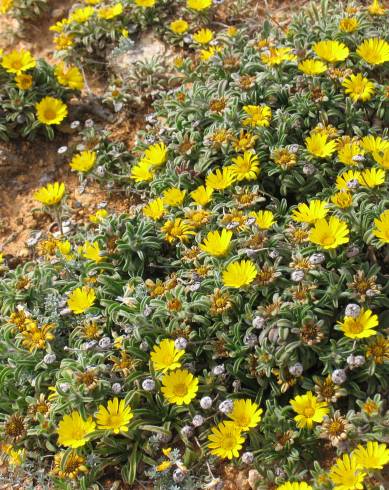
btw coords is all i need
(312, 67)
(342, 199)
(179, 26)
(294, 486)
(372, 177)
(165, 357)
(317, 144)
(155, 155)
(73, 431)
(115, 417)
(245, 414)
(382, 158)
(381, 229)
(81, 299)
(203, 36)
(81, 15)
(331, 51)
(173, 197)
(360, 327)
(276, 56)
(245, 167)
(69, 76)
(202, 195)
(23, 81)
(92, 251)
(374, 51)
(50, 195)
(220, 179)
(51, 111)
(154, 209)
(373, 456)
(177, 230)
(84, 161)
(375, 8)
(343, 180)
(111, 12)
(145, 3)
(18, 61)
(226, 440)
(347, 153)
(347, 474)
(238, 274)
(257, 115)
(179, 387)
(308, 409)
(329, 234)
(217, 244)
(374, 144)
(263, 219)
(359, 88)
(198, 4)
(349, 24)
(142, 172)
(310, 213)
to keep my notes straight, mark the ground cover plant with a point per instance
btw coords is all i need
(238, 312)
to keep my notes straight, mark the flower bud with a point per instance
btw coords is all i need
(187, 431)
(148, 384)
(258, 322)
(116, 388)
(339, 376)
(352, 310)
(180, 343)
(226, 406)
(206, 402)
(297, 276)
(247, 457)
(309, 169)
(317, 258)
(49, 358)
(250, 339)
(218, 370)
(144, 346)
(105, 343)
(296, 369)
(198, 420)
(178, 475)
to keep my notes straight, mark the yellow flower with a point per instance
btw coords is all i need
(5, 6)
(145, 3)
(155, 155)
(294, 486)
(374, 51)
(347, 153)
(81, 15)
(246, 166)
(258, 115)
(372, 177)
(165, 465)
(84, 161)
(173, 197)
(179, 387)
(360, 327)
(275, 56)
(110, 12)
(59, 26)
(69, 76)
(202, 195)
(317, 144)
(165, 356)
(347, 474)
(50, 195)
(177, 230)
(331, 51)
(310, 213)
(329, 234)
(18, 61)
(154, 209)
(65, 249)
(342, 199)
(81, 299)
(226, 440)
(348, 24)
(381, 229)
(16, 456)
(382, 158)
(217, 244)
(263, 219)
(206, 54)
(342, 181)
(23, 81)
(68, 466)
(198, 4)
(203, 36)
(35, 337)
(374, 144)
(220, 179)
(359, 87)
(92, 251)
(142, 172)
(308, 409)
(99, 215)
(179, 26)
(231, 31)
(238, 274)
(372, 456)
(312, 67)
(63, 41)
(73, 430)
(115, 417)
(375, 8)
(245, 414)
(51, 111)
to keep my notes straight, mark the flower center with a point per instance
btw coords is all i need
(180, 389)
(328, 239)
(309, 412)
(16, 64)
(229, 442)
(50, 114)
(114, 420)
(356, 327)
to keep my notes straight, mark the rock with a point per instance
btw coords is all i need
(253, 479)
(145, 49)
